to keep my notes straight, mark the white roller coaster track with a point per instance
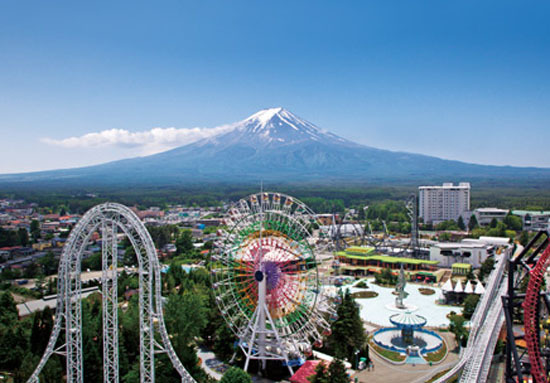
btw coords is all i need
(109, 218)
(487, 320)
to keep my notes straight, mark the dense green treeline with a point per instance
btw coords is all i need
(322, 199)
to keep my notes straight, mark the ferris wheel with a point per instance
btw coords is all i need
(268, 278)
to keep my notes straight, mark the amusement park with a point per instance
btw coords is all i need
(274, 191)
(298, 298)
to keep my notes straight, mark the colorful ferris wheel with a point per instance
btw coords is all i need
(269, 275)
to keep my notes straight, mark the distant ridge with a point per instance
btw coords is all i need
(275, 145)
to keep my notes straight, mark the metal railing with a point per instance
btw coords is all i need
(475, 359)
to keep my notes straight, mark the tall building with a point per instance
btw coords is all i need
(440, 203)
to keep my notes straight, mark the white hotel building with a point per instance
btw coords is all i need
(440, 203)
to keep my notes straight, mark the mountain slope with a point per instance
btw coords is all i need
(276, 145)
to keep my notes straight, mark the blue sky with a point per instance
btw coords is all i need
(465, 80)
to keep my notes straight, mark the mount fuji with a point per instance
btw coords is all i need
(276, 145)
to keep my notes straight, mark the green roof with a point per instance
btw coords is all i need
(530, 212)
(461, 266)
(359, 250)
(387, 259)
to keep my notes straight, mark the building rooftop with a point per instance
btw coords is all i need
(491, 210)
(387, 259)
(531, 212)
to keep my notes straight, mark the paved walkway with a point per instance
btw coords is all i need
(213, 366)
(209, 363)
(385, 372)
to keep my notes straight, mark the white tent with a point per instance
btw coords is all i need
(458, 287)
(447, 286)
(468, 289)
(479, 288)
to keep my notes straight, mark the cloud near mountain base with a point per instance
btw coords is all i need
(148, 142)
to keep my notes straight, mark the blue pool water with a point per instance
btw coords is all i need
(415, 360)
(184, 267)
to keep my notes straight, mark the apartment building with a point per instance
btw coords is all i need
(441, 203)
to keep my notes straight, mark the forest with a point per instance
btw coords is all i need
(320, 198)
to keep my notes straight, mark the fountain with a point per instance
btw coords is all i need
(408, 336)
(401, 294)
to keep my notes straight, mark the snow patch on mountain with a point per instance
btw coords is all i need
(274, 126)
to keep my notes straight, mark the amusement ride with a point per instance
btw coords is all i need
(268, 279)
(107, 221)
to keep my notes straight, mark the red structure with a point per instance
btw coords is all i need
(527, 358)
(531, 317)
(304, 372)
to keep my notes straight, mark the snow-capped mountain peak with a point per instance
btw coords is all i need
(278, 126)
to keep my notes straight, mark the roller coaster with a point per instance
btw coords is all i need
(515, 295)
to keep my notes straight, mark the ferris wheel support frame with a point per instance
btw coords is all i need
(259, 318)
(108, 218)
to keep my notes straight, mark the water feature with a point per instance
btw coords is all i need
(379, 309)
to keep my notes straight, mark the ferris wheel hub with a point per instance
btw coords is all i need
(259, 276)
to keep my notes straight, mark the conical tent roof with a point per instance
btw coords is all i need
(447, 286)
(468, 289)
(479, 288)
(458, 287)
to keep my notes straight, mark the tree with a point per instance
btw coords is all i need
(470, 304)
(224, 342)
(235, 375)
(385, 277)
(348, 333)
(473, 223)
(498, 231)
(337, 372)
(8, 238)
(23, 235)
(41, 330)
(185, 318)
(460, 223)
(493, 223)
(13, 348)
(8, 309)
(361, 214)
(184, 243)
(486, 268)
(48, 263)
(35, 230)
(513, 222)
(447, 225)
(458, 329)
(321, 374)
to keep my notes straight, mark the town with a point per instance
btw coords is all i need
(433, 240)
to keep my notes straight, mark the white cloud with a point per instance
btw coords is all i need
(147, 142)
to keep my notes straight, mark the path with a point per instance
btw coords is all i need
(407, 372)
(209, 362)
